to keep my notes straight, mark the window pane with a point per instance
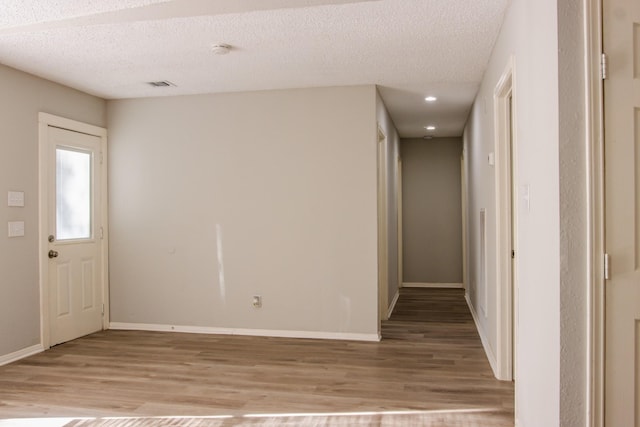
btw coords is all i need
(73, 194)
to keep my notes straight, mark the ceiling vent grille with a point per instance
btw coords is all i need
(161, 83)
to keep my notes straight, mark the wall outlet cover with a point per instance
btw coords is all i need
(257, 301)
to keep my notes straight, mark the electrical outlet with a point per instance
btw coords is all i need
(257, 301)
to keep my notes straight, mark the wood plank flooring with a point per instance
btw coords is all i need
(429, 370)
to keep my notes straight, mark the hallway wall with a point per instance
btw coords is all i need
(546, 40)
(432, 211)
(529, 35)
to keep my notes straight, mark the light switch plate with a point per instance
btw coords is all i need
(15, 198)
(16, 228)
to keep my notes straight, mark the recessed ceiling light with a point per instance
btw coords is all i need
(431, 99)
(220, 48)
(430, 127)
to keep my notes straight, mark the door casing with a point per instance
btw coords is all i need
(595, 182)
(399, 223)
(46, 120)
(506, 218)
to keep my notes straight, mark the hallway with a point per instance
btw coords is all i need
(439, 323)
(429, 370)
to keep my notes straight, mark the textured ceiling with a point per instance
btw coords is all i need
(410, 48)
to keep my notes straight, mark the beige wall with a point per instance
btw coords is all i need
(23, 96)
(530, 35)
(216, 198)
(431, 210)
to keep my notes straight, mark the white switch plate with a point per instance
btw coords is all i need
(16, 228)
(15, 198)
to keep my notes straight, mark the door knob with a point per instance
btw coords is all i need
(53, 254)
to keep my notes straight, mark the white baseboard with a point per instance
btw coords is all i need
(483, 338)
(347, 336)
(21, 354)
(433, 285)
(393, 303)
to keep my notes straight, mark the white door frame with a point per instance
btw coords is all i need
(505, 178)
(595, 181)
(399, 217)
(463, 183)
(44, 121)
(383, 227)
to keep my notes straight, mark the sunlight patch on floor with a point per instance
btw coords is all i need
(388, 418)
(371, 413)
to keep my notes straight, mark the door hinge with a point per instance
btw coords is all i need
(606, 267)
(103, 310)
(101, 157)
(101, 233)
(603, 66)
(513, 254)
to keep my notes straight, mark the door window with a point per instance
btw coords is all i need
(73, 194)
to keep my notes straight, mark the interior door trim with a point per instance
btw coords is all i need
(595, 181)
(506, 220)
(45, 121)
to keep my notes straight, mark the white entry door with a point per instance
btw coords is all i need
(74, 236)
(621, 30)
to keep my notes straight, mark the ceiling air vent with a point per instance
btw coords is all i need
(161, 83)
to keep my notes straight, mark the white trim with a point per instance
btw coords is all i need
(394, 301)
(21, 354)
(483, 338)
(44, 121)
(595, 193)
(64, 123)
(506, 220)
(399, 217)
(463, 202)
(42, 225)
(247, 332)
(433, 285)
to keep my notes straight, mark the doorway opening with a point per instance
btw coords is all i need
(383, 241)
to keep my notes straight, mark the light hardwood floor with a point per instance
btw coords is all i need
(429, 370)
